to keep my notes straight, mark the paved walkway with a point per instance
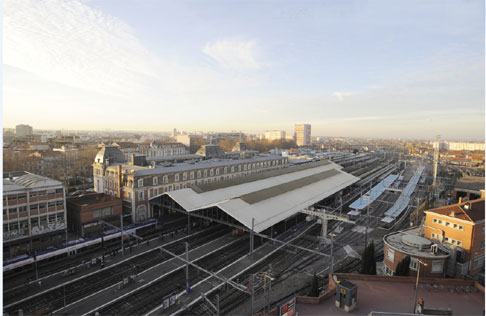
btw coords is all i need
(110, 294)
(59, 280)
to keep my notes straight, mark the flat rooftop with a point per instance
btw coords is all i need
(396, 240)
(395, 297)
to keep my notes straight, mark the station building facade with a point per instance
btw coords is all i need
(136, 182)
(34, 213)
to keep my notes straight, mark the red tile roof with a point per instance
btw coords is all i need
(472, 211)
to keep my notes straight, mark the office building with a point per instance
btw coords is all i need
(34, 213)
(274, 135)
(23, 130)
(302, 134)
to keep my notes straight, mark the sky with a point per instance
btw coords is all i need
(398, 69)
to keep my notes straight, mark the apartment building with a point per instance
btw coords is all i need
(274, 135)
(164, 149)
(137, 181)
(34, 213)
(461, 228)
(302, 134)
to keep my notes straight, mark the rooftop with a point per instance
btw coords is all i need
(398, 297)
(410, 242)
(27, 180)
(270, 197)
(470, 183)
(91, 198)
(185, 166)
(472, 211)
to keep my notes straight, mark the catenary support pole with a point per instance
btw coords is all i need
(121, 235)
(187, 267)
(252, 237)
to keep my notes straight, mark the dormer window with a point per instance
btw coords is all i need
(140, 183)
(155, 181)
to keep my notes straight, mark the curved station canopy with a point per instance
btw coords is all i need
(268, 197)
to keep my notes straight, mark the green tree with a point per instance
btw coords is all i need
(368, 262)
(314, 291)
(403, 267)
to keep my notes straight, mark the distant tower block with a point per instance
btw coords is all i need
(436, 157)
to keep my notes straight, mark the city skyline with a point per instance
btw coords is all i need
(335, 65)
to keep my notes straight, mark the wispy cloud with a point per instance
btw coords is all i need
(340, 95)
(234, 55)
(73, 44)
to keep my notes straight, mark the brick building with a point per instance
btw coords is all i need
(398, 245)
(461, 228)
(137, 181)
(84, 212)
(34, 213)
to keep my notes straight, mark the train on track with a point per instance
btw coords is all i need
(72, 249)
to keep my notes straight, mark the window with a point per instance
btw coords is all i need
(433, 235)
(244, 167)
(32, 207)
(140, 195)
(59, 202)
(225, 171)
(440, 222)
(156, 191)
(107, 211)
(459, 243)
(217, 171)
(478, 261)
(233, 169)
(239, 168)
(58, 191)
(205, 173)
(413, 264)
(482, 244)
(460, 227)
(455, 226)
(4, 211)
(199, 174)
(155, 181)
(437, 266)
(165, 179)
(184, 176)
(140, 183)
(14, 210)
(446, 239)
(211, 172)
(176, 177)
(447, 223)
(191, 176)
(390, 255)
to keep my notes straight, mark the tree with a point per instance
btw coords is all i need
(403, 267)
(314, 291)
(368, 262)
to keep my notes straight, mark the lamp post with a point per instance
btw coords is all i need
(416, 283)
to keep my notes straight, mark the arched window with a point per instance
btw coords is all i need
(176, 177)
(184, 176)
(199, 174)
(192, 175)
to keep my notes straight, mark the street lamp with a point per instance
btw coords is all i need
(416, 283)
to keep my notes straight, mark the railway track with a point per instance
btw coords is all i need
(60, 296)
(151, 296)
(48, 268)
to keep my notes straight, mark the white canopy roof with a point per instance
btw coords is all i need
(269, 200)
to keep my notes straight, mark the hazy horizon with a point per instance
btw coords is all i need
(377, 69)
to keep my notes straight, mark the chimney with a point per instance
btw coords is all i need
(453, 214)
(460, 200)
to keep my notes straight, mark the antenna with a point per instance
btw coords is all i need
(436, 157)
